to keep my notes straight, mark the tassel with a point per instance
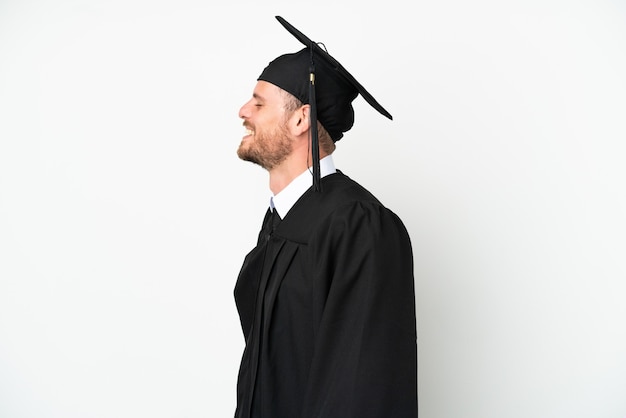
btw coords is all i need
(315, 147)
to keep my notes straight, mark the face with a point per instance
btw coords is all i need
(267, 141)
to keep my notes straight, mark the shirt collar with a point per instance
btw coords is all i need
(288, 197)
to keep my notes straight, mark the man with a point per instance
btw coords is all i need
(326, 298)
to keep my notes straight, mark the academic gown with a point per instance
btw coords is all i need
(327, 307)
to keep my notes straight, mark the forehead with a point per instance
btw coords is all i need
(267, 92)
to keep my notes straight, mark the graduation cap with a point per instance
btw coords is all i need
(317, 79)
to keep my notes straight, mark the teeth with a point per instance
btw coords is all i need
(249, 132)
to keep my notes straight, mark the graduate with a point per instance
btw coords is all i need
(326, 298)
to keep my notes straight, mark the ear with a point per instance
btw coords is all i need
(300, 121)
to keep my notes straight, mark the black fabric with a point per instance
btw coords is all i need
(275, 219)
(327, 308)
(334, 95)
(335, 87)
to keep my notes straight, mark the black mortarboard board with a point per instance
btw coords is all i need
(316, 78)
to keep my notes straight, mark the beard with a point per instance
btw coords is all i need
(267, 148)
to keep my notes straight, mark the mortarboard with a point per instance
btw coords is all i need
(317, 79)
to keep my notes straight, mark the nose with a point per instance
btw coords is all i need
(244, 112)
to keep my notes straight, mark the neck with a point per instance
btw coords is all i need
(282, 175)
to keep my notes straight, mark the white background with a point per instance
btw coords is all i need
(125, 213)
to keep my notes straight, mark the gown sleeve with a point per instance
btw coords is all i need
(365, 356)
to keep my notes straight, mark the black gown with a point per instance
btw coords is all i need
(327, 306)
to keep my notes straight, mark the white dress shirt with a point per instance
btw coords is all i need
(283, 201)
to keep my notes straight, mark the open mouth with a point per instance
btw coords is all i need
(248, 129)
